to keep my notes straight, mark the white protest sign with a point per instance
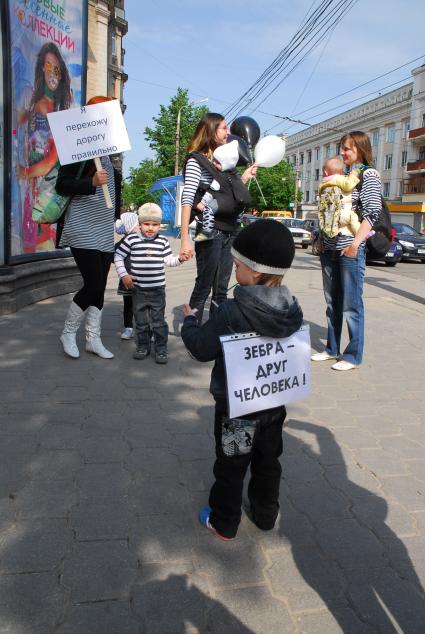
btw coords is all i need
(89, 132)
(263, 372)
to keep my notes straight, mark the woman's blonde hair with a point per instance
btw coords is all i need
(268, 279)
(362, 143)
(204, 137)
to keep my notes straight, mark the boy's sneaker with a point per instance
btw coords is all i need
(204, 518)
(141, 353)
(127, 333)
(161, 357)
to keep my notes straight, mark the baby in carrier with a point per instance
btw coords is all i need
(336, 215)
(225, 158)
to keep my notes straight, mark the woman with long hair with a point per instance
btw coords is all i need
(89, 232)
(343, 259)
(213, 257)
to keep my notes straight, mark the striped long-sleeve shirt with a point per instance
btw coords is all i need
(193, 175)
(367, 202)
(148, 259)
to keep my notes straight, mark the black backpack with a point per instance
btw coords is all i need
(378, 244)
(233, 195)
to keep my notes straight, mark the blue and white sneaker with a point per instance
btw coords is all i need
(204, 518)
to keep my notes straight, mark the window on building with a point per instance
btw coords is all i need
(327, 151)
(386, 190)
(308, 175)
(403, 158)
(338, 149)
(422, 153)
(114, 45)
(423, 120)
(400, 189)
(302, 158)
(316, 174)
(406, 128)
(375, 137)
(307, 196)
(309, 156)
(388, 161)
(317, 154)
(390, 134)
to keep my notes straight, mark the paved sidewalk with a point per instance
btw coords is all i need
(104, 465)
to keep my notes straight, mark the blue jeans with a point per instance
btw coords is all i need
(149, 308)
(214, 265)
(343, 279)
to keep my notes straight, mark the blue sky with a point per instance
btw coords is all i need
(218, 49)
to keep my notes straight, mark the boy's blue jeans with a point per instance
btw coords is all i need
(343, 279)
(149, 309)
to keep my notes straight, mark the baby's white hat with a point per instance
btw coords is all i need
(126, 223)
(227, 155)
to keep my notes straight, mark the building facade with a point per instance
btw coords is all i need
(395, 123)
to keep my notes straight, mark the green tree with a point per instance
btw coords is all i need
(162, 137)
(278, 187)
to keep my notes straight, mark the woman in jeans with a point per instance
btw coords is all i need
(343, 260)
(213, 258)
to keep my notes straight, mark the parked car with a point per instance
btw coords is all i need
(392, 256)
(300, 235)
(276, 215)
(310, 224)
(248, 219)
(411, 241)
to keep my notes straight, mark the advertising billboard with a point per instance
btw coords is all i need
(47, 41)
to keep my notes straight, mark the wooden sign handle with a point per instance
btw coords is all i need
(108, 200)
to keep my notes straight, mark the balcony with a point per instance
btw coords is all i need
(118, 18)
(416, 167)
(417, 135)
(415, 185)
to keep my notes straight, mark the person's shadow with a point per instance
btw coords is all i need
(186, 605)
(341, 544)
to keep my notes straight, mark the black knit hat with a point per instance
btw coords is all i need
(266, 246)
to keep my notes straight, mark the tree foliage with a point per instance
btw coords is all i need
(278, 187)
(162, 139)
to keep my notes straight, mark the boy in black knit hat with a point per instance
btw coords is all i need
(262, 252)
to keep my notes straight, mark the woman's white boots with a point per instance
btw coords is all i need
(93, 329)
(72, 323)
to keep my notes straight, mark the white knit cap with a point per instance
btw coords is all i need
(126, 223)
(150, 212)
(227, 155)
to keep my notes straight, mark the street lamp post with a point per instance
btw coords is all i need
(176, 163)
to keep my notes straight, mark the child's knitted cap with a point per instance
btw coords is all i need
(150, 212)
(126, 223)
(227, 155)
(265, 246)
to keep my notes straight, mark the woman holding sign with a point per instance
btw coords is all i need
(89, 232)
(213, 258)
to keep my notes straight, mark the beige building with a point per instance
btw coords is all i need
(395, 123)
(105, 55)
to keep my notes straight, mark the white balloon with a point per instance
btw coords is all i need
(269, 151)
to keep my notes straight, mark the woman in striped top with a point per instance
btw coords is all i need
(343, 260)
(89, 232)
(213, 258)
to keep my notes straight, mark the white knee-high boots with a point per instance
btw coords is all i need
(68, 337)
(93, 329)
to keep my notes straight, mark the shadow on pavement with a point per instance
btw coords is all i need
(342, 547)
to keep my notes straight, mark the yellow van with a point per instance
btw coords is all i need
(276, 214)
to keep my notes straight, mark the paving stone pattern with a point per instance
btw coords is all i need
(104, 465)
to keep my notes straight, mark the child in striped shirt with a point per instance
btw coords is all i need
(150, 252)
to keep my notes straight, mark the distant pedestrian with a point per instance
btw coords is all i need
(89, 232)
(149, 252)
(213, 257)
(127, 223)
(343, 259)
(262, 252)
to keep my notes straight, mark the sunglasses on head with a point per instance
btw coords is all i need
(55, 69)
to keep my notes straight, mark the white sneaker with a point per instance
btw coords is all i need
(127, 333)
(343, 366)
(322, 356)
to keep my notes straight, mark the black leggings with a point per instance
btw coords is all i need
(94, 267)
(128, 311)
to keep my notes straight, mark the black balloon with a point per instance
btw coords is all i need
(245, 155)
(247, 128)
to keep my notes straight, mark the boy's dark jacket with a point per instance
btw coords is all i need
(268, 311)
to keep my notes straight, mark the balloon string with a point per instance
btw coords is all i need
(258, 185)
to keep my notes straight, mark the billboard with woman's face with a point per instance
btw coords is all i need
(47, 40)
